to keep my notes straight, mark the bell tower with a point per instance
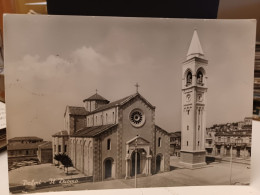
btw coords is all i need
(194, 90)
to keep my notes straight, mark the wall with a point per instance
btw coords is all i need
(109, 154)
(45, 155)
(105, 117)
(163, 150)
(81, 154)
(15, 153)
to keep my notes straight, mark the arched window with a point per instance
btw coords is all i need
(109, 144)
(113, 117)
(199, 78)
(106, 118)
(187, 143)
(187, 127)
(189, 79)
(198, 143)
(159, 142)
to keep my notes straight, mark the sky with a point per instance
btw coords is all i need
(54, 61)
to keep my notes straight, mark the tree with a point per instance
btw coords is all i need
(66, 161)
(58, 157)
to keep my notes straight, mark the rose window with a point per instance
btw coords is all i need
(137, 118)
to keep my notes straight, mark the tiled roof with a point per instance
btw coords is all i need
(112, 104)
(178, 133)
(74, 110)
(24, 146)
(173, 135)
(26, 138)
(92, 131)
(61, 134)
(96, 97)
(120, 103)
(46, 145)
(160, 129)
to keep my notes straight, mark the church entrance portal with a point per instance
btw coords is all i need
(133, 163)
(108, 168)
(158, 163)
(140, 160)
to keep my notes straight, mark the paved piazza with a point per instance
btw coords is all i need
(212, 174)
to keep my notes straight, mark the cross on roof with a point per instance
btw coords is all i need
(137, 85)
(96, 90)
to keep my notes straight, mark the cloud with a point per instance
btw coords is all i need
(87, 59)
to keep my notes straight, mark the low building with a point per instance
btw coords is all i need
(19, 152)
(210, 141)
(175, 143)
(231, 138)
(60, 143)
(25, 140)
(45, 152)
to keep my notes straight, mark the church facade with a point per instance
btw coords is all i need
(105, 138)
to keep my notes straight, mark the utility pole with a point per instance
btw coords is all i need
(136, 161)
(230, 180)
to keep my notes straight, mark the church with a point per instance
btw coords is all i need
(112, 140)
(104, 138)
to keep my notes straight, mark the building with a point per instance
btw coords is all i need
(45, 152)
(210, 141)
(104, 138)
(175, 143)
(231, 137)
(60, 143)
(23, 148)
(29, 148)
(194, 90)
(24, 140)
(22, 152)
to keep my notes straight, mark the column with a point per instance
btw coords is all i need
(127, 169)
(149, 165)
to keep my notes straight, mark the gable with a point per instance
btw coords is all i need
(75, 110)
(135, 98)
(137, 141)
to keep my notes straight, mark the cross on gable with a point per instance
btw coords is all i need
(137, 86)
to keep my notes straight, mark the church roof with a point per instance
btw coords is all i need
(95, 97)
(160, 129)
(75, 110)
(121, 102)
(92, 131)
(195, 49)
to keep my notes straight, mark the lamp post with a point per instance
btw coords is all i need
(136, 161)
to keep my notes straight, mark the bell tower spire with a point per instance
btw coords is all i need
(194, 91)
(195, 49)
